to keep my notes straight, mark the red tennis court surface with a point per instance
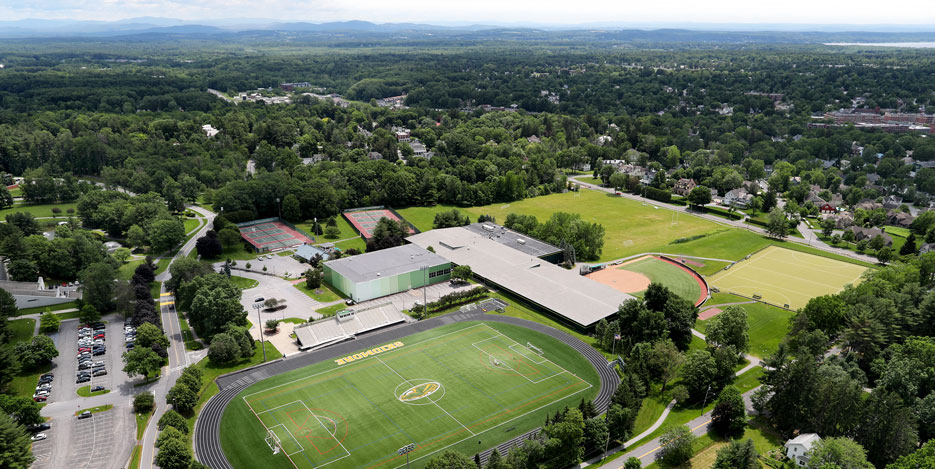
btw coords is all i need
(364, 221)
(272, 235)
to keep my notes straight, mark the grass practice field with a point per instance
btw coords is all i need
(767, 324)
(782, 276)
(635, 276)
(465, 386)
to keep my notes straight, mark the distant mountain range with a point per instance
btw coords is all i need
(152, 27)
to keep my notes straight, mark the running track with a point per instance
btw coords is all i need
(207, 428)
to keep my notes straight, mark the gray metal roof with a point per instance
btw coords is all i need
(564, 292)
(513, 239)
(384, 263)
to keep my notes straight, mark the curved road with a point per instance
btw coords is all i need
(207, 428)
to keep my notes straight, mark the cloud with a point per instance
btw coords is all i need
(492, 11)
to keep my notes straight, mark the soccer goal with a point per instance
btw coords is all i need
(535, 349)
(273, 441)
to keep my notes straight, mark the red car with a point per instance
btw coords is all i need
(98, 336)
(40, 398)
(84, 349)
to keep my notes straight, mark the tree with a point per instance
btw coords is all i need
(884, 254)
(729, 416)
(170, 433)
(48, 323)
(22, 409)
(36, 353)
(25, 221)
(89, 314)
(148, 335)
(922, 458)
(229, 237)
(699, 196)
(182, 398)
(618, 181)
(291, 210)
(136, 236)
(675, 446)
(633, 463)
(887, 428)
(142, 361)
(565, 438)
(665, 361)
(6, 199)
(184, 270)
(272, 325)
(15, 447)
(876, 243)
(8, 309)
(223, 349)
(909, 247)
(837, 452)
(313, 278)
(495, 461)
(165, 234)
(23, 270)
(461, 273)
(827, 226)
(450, 218)
(332, 232)
(214, 307)
(778, 224)
(121, 255)
(387, 234)
(450, 460)
(174, 454)
(173, 419)
(827, 313)
(144, 402)
(97, 285)
(737, 455)
(699, 372)
(729, 329)
(209, 246)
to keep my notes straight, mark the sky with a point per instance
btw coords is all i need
(543, 12)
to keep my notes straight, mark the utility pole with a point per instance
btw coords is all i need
(257, 304)
(705, 401)
(425, 283)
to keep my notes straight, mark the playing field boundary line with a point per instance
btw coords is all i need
(433, 402)
(274, 408)
(530, 358)
(544, 359)
(503, 364)
(267, 430)
(366, 359)
(301, 448)
(323, 427)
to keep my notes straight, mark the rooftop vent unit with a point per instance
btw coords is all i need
(488, 227)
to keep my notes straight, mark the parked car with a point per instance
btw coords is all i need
(40, 398)
(97, 388)
(100, 372)
(39, 428)
(84, 366)
(84, 415)
(39, 437)
(99, 352)
(82, 379)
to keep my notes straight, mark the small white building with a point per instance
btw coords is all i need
(209, 130)
(797, 449)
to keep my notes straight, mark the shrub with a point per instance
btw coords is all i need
(172, 419)
(143, 402)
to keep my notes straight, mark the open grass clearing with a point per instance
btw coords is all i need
(40, 211)
(781, 276)
(53, 308)
(21, 329)
(243, 283)
(767, 324)
(98, 409)
(346, 231)
(142, 420)
(322, 294)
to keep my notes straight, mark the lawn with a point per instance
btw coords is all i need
(85, 391)
(324, 294)
(187, 336)
(243, 283)
(680, 282)
(24, 383)
(785, 277)
(330, 310)
(424, 217)
(191, 224)
(42, 309)
(39, 211)
(768, 325)
(343, 225)
(441, 389)
(94, 410)
(142, 420)
(21, 329)
(135, 457)
(126, 271)
(69, 315)
(356, 243)
(237, 252)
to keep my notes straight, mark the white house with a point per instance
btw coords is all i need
(797, 448)
(737, 198)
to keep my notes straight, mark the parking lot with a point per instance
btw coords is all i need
(65, 366)
(92, 440)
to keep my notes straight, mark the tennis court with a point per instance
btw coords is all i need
(364, 221)
(270, 235)
(785, 277)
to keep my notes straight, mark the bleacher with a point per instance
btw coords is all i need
(327, 331)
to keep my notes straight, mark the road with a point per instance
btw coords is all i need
(179, 358)
(732, 223)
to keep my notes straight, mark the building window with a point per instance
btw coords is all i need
(439, 273)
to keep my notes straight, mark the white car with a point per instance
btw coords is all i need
(39, 436)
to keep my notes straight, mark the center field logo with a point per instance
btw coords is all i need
(420, 391)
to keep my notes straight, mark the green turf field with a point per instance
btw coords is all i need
(448, 388)
(677, 280)
(767, 326)
(782, 276)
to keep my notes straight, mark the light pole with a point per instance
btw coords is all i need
(279, 207)
(257, 304)
(406, 450)
(425, 283)
(705, 401)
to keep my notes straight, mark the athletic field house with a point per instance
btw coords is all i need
(385, 272)
(273, 234)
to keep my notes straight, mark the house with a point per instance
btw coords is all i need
(402, 135)
(815, 199)
(842, 220)
(316, 158)
(306, 252)
(533, 139)
(926, 247)
(737, 198)
(797, 449)
(868, 205)
(375, 155)
(873, 178)
(899, 218)
(827, 208)
(209, 130)
(684, 186)
(868, 234)
(892, 201)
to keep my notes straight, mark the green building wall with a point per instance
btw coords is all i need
(384, 286)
